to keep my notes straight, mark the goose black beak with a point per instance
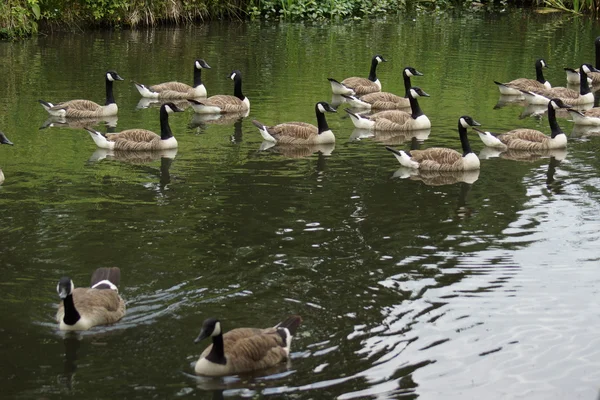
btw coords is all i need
(203, 335)
(475, 123)
(62, 294)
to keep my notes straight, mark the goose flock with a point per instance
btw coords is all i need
(371, 109)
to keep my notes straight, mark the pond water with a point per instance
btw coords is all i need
(407, 288)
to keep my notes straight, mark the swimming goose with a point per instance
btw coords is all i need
(587, 117)
(140, 139)
(514, 87)
(223, 103)
(244, 349)
(83, 308)
(300, 132)
(530, 139)
(359, 86)
(385, 100)
(86, 108)
(395, 120)
(442, 159)
(594, 77)
(177, 90)
(584, 96)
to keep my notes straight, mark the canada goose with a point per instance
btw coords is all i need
(385, 100)
(588, 117)
(584, 96)
(530, 139)
(594, 77)
(86, 108)
(244, 349)
(223, 103)
(395, 120)
(83, 308)
(514, 87)
(442, 159)
(300, 132)
(359, 86)
(177, 90)
(140, 139)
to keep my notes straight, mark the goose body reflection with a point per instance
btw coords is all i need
(298, 151)
(437, 178)
(79, 123)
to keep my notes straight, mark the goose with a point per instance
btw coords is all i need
(86, 108)
(223, 103)
(359, 86)
(385, 100)
(3, 140)
(177, 90)
(244, 349)
(300, 132)
(588, 117)
(83, 308)
(530, 139)
(442, 159)
(584, 96)
(514, 87)
(594, 77)
(140, 139)
(395, 120)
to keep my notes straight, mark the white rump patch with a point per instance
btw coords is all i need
(105, 282)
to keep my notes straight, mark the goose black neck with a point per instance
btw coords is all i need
(407, 84)
(197, 76)
(597, 43)
(539, 74)
(415, 108)
(321, 120)
(110, 98)
(464, 140)
(165, 129)
(373, 71)
(71, 315)
(237, 88)
(217, 353)
(554, 128)
(584, 87)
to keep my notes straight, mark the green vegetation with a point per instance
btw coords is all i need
(20, 18)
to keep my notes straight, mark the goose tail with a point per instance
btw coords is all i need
(264, 132)
(49, 107)
(360, 121)
(106, 278)
(144, 91)
(339, 88)
(403, 158)
(100, 139)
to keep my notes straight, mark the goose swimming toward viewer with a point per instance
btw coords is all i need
(177, 90)
(83, 308)
(140, 139)
(244, 349)
(86, 108)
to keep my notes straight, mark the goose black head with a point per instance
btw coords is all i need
(410, 71)
(65, 287)
(113, 76)
(210, 327)
(466, 121)
(170, 108)
(235, 74)
(324, 107)
(416, 91)
(558, 103)
(541, 62)
(379, 58)
(4, 139)
(200, 64)
(587, 68)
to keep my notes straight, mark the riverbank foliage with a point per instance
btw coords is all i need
(21, 18)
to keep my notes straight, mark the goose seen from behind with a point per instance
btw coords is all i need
(385, 100)
(530, 139)
(244, 349)
(359, 86)
(84, 308)
(86, 108)
(573, 97)
(222, 103)
(140, 139)
(177, 90)
(395, 120)
(300, 132)
(594, 77)
(442, 159)
(514, 87)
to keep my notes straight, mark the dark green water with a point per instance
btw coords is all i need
(406, 289)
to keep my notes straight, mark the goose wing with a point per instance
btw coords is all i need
(78, 105)
(134, 135)
(381, 96)
(525, 84)
(593, 112)
(395, 116)
(293, 132)
(562, 92)
(171, 86)
(437, 158)
(529, 135)
(102, 306)
(226, 103)
(256, 351)
(361, 85)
